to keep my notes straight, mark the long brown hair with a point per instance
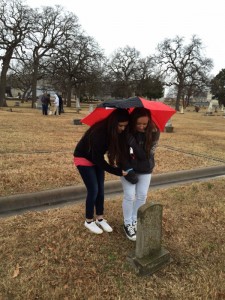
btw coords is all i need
(116, 141)
(137, 113)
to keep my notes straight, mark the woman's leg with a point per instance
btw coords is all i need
(99, 203)
(142, 188)
(128, 200)
(90, 180)
(46, 110)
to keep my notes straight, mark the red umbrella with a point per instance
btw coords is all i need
(160, 112)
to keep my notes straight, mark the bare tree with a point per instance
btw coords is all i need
(197, 82)
(15, 24)
(77, 65)
(21, 72)
(52, 26)
(181, 63)
(123, 68)
(148, 82)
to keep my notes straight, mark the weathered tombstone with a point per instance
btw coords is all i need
(77, 122)
(91, 108)
(149, 255)
(209, 109)
(78, 105)
(169, 126)
(182, 109)
(38, 104)
(213, 105)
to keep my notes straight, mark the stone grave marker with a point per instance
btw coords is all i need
(91, 108)
(78, 108)
(149, 255)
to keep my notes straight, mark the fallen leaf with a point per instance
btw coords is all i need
(16, 271)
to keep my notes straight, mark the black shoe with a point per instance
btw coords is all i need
(135, 226)
(130, 232)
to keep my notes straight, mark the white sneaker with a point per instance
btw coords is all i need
(105, 226)
(93, 227)
(130, 232)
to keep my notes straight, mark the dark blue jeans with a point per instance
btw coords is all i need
(93, 178)
(45, 109)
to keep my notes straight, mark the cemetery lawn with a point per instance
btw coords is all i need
(50, 255)
(36, 151)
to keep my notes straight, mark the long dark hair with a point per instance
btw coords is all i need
(137, 113)
(116, 141)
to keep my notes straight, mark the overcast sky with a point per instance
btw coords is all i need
(145, 23)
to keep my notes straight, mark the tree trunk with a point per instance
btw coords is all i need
(177, 106)
(69, 90)
(5, 67)
(34, 84)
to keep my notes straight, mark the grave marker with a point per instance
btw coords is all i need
(149, 255)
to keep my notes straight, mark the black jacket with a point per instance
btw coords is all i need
(93, 148)
(139, 160)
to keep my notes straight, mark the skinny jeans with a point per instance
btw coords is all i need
(93, 178)
(45, 109)
(134, 196)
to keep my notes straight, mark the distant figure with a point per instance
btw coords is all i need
(60, 104)
(45, 100)
(49, 103)
(56, 105)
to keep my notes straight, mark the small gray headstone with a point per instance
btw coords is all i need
(91, 108)
(149, 254)
(149, 230)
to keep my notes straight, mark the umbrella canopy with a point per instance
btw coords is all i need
(160, 112)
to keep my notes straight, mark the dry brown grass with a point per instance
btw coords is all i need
(49, 254)
(36, 151)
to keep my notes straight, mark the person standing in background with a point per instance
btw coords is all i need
(45, 100)
(56, 105)
(60, 104)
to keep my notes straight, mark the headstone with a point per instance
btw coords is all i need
(169, 126)
(209, 109)
(91, 108)
(38, 104)
(77, 122)
(182, 109)
(78, 105)
(149, 255)
(213, 105)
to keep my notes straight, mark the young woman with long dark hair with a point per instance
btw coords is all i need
(105, 137)
(142, 139)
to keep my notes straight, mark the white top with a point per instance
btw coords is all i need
(56, 101)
